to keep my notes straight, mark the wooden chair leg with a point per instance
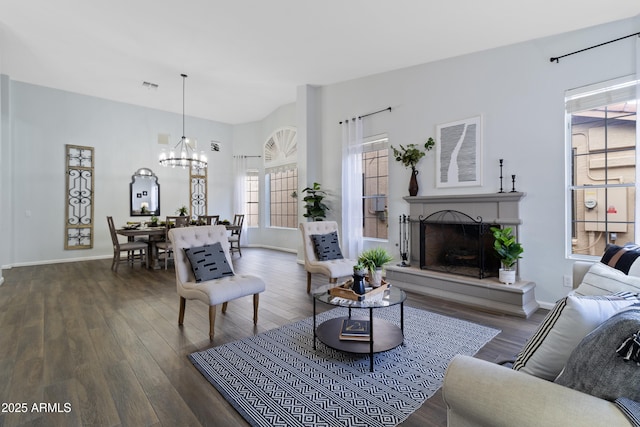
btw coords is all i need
(183, 302)
(212, 320)
(308, 282)
(224, 307)
(256, 300)
(117, 261)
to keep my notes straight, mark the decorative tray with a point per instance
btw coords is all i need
(345, 291)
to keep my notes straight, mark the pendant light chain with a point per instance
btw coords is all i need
(184, 79)
(182, 154)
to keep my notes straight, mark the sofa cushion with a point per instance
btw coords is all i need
(595, 366)
(624, 258)
(572, 318)
(208, 262)
(602, 280)
(326, 246)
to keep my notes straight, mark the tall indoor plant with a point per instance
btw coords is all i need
(316, 209)
(410, 156)
(509, 251)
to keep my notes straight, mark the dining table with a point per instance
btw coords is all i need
(155, 235)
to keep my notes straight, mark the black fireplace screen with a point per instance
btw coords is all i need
(453, 242)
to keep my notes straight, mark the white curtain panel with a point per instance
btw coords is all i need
(352, 188)
(240, 196)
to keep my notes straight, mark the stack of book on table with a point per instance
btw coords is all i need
(355, 330)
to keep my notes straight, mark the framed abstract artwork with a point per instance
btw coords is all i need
(459, 153)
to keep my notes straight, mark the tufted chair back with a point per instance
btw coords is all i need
(315, 227)
(190, 237)
(333, 268)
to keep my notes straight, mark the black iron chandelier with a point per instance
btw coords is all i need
(183, 153)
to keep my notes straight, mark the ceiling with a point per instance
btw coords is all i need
(245, 58)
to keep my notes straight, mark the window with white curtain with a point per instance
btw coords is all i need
(282, 192)
(375, 171)
(602, 156)
(252, 188)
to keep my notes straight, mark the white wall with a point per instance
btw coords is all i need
(520, 96)
(125, 138)
(518, 92)
(249, 140)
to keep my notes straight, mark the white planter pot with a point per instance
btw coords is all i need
(508, 277)
(375, 277)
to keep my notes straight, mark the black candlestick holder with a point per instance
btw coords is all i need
(513, 183)
(501, 190)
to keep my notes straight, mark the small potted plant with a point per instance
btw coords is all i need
(316, 209)
(409, 156)
(509, 251)
(373, 260)
(154, 221)
(182, 211)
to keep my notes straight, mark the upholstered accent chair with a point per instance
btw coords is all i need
(212, 292)
(333, 268)
(129, 247)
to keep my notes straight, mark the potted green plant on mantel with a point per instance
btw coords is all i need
(410, 156)
(373, 260)
(316, 209)
(509, 251)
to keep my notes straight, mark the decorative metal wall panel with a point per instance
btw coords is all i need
(79, 163)
(198, 191)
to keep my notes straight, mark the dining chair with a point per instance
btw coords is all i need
(204, 271)
(165, 248)
(236, 232)
(322, 251)
(208, 219)
(129, 247)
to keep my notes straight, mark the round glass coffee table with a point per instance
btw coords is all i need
(383, 335)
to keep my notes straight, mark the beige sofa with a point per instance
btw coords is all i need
(481, 393)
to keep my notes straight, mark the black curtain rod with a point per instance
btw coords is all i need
(557, 58)
(245, 157)
(368, 114)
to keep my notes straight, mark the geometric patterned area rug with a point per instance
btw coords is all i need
(276, 378)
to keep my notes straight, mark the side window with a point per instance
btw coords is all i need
(282, 187)
(602, 144)
(253, 206)
(375, 170)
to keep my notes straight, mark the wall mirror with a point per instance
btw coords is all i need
(144, 193)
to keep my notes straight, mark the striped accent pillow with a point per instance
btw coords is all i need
(603, 280)
(630, 408)
(572, 318)
(623, 258)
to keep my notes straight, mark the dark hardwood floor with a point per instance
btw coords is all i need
(108, 344)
